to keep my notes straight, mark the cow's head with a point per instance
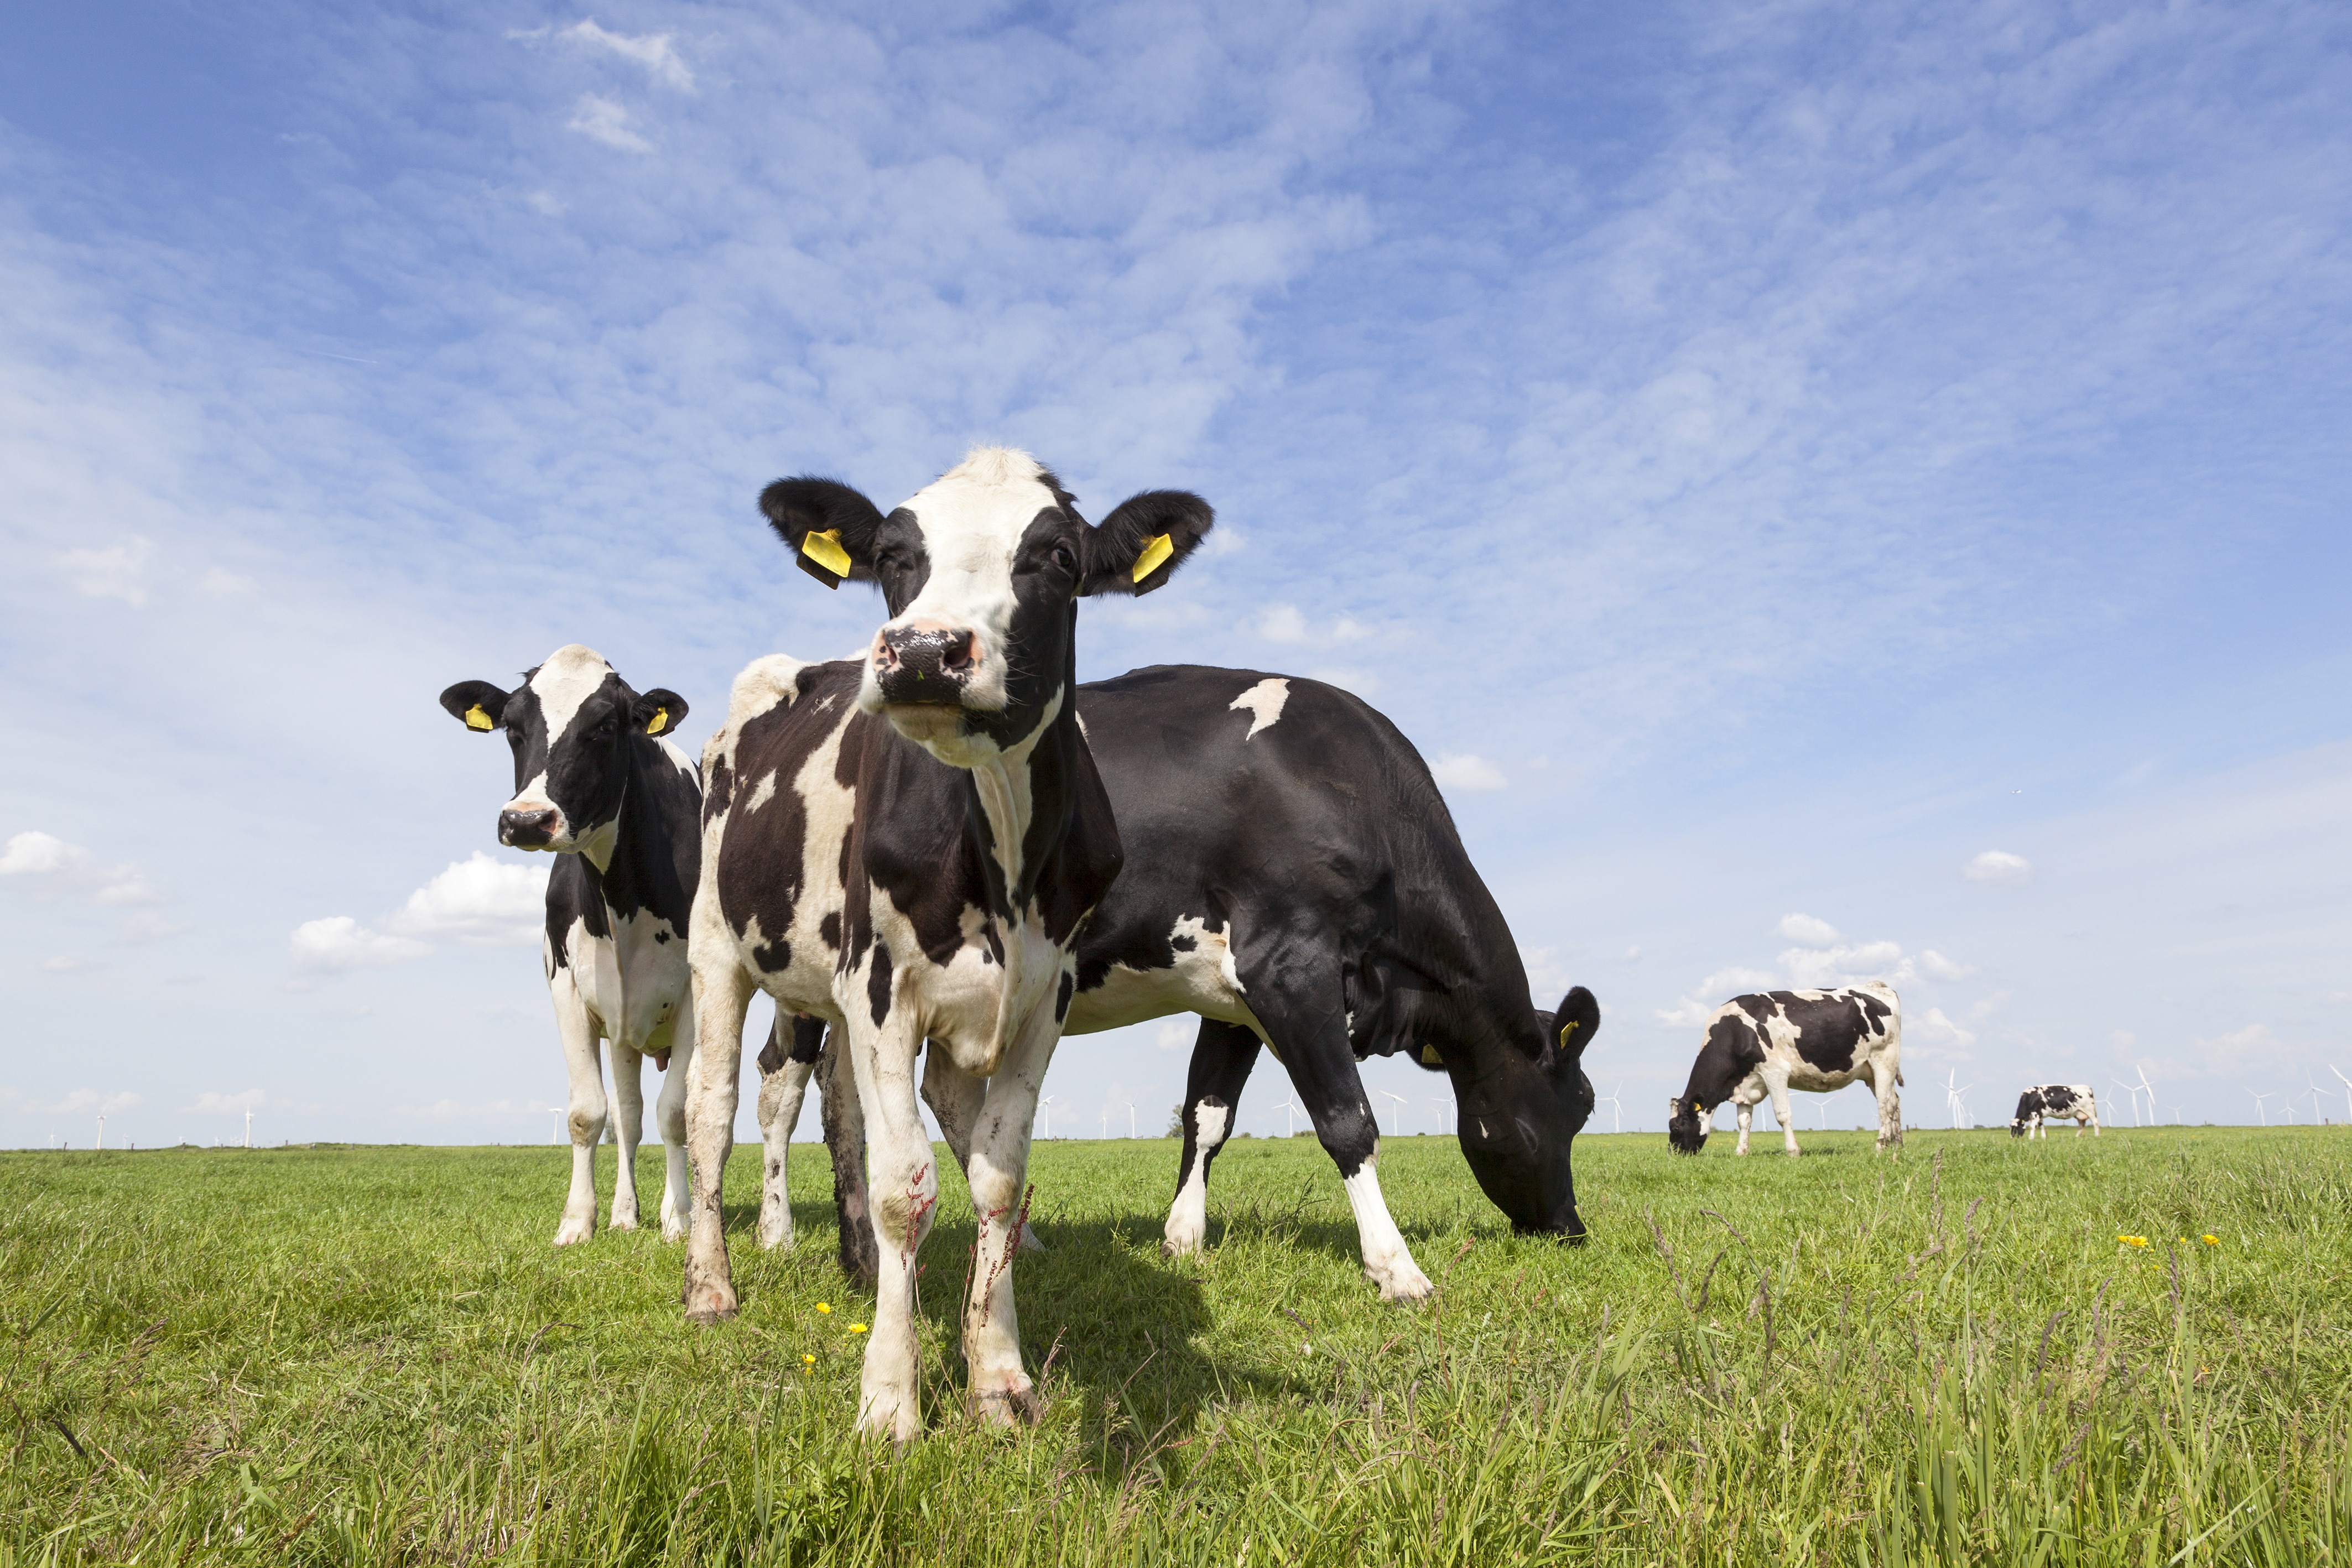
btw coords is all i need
(1517, 1137)
(570, 725)
(981, 570)
(1688, 1125)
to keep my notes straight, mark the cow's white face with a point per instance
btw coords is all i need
(569, 725)
(981, 570)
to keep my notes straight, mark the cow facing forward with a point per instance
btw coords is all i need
(2054, 1103)
(596, 782)
(905, 846)
(1772, 1041)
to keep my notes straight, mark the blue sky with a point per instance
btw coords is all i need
(1771, 458)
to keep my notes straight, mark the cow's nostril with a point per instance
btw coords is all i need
(525, 827)
(957, 654)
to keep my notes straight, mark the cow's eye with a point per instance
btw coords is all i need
(1066, 558)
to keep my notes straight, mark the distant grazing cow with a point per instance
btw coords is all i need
(1773, 1041)
(1292, 876)
(596, 783)
(906, 846)
(2054, 1103)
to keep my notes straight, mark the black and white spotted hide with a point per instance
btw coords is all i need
(2055, 1102)
(905, 846)
(596, 781)
(1772, 1041)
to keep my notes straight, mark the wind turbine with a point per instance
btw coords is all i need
(555, 1133)
(1616, 1111)
(1130, 1116)
(2131, 1094)
(1290, 1125)
(2347, 1084)
(1447, 1100)
(1045, 1117)
(1953, 1104)
(1106, 1124)
(2265, 1115)
(1399, 1110)
(2315, 1099)
(2149, 1089)
(249, 1126)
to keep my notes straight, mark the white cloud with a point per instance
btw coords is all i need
(606, 121)
(1633, 955)
(89, 1100)
(1283, 623)
(653, 52)
(114, 572)
(1467, 771)
(1938, 967)
(488, 902)
(1176, 1033)
(1935, 1030)
(64, 966)
(1805, 928)
(2000, 868)
(340, 942)
(1711, 993)
(1819, 968)
(39, 854)
(217, 583)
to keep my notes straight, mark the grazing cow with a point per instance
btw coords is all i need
(1773, 1041)
(2054, 1103)
(906, 846)
(596, 782)
(1292, 876)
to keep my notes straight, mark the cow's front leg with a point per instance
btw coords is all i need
(721, 994)
(1223, 1055)
(669, 1116)
(1890, 1109)
(1745, 1114)
(903, 1191)
(954, 1097)
(629, 1105)
(1000, 1392)
(1778, 1089)
(783, 1085)
(587, 1110)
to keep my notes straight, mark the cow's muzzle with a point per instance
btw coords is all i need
(527, 830)
(924, 664)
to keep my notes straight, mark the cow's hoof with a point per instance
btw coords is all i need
(890, 1417)
(1029, 1242)
(624, 1222)
(1181, 1244)
(776, 1237)
(673, 1230)
(1405, 1287)
(709, 1303)
(1015, 1406)
(574, 1231)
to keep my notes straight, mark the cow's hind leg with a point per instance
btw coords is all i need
(1223, 1055)
(669, 1117)
(784, 1072)
(844, 1142)
(1778, 1089)
(629, 1105)
(1297, 997)
(1883, 1082)
(1745, 1114)
(721, 994)
(587, 1110)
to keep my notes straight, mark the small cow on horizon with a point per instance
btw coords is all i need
(596, 782)
(1772, 1041)
(2054, 1103)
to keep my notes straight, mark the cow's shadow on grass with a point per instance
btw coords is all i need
(1111, 1332)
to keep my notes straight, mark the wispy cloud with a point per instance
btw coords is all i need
(112, 571)
(339, 943)
(601, 120)
(2000, 868)
(652, 52)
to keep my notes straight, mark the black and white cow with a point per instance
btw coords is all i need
(1292, 876)
(2055, 1102)
(1772, 1041)
(905, 846)
(596, 782)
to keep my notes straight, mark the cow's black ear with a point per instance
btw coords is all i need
(1138, 546)
(1574, 1024)
(658, 712)
(476, 705)
(828, 526)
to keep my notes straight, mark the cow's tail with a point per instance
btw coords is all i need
(1898, 1078)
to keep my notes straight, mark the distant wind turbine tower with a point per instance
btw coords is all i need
(2259, 1110)
(1130, 1116)
(1290, 1125)
(1616, 1111)
(249, 1126)
(1447, 1100)
(1045, 1117)
(2348, 1085)
(2149, 1089)
(1399, 1112)
(102, 1132)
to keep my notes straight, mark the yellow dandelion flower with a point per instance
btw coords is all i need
(857, 1328)
(2211, 1241)
(807, 1360)
(823, 1308)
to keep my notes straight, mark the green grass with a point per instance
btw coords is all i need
(374, 1355)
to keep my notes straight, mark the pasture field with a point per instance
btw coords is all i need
(373, 1356)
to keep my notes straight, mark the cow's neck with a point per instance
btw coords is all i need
(623, 854)
(1022, 795)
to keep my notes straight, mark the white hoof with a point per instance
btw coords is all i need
(1401, 1284)
(574, 1229)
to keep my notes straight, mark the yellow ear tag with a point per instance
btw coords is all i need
(1566, 1029)
(824, 548)
(1158, 550)
(1430, 1058)
(660, 721)
(477, 719)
